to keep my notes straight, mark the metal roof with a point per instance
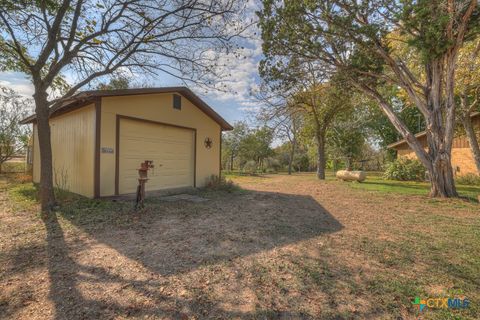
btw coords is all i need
(83, 98)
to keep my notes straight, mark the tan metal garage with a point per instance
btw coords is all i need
(99, 139)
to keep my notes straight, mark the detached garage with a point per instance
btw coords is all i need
(99, 139)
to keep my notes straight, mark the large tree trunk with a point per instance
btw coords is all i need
(321, 160)
(472, 139)
(442, 182)
(437, 160)
(231, 162)
(440, 132)
(47, 195)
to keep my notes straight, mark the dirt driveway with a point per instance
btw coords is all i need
(281, 248)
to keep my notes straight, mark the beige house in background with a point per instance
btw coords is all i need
(99, 138)
(462, 156)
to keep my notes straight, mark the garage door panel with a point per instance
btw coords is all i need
(170, 148)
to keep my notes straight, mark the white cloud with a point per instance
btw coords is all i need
(239, 70)
(250, 103)
(249, 109)
(239, 76)
(17, 82)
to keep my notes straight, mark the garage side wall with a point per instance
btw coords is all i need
(159, 108)
(73, 145)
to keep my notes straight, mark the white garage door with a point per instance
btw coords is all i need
(171, 149)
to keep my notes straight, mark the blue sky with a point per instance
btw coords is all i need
(234, 103)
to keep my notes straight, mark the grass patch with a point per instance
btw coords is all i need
(13, 167)
(24, 196)
(392, 293)
(375, 182)
(72, 207)
(392, 254)
(96, 214)
(263, 250)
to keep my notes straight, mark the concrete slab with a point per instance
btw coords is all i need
(183, 197)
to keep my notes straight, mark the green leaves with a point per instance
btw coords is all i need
(8, 57)
(245, 144)
(13, 108)
(425, 22)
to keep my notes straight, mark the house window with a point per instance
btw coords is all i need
(177, 102)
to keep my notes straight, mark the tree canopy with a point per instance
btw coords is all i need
(85, 40)
(354, 40)
(13, 137)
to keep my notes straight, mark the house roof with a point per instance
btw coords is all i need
(421, 134)
(84, 98)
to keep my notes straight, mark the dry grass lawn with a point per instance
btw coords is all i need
(281, 247)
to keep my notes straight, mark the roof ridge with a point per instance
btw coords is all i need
(185, 91)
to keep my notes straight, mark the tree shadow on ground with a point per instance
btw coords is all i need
(179, 237)
(172, 239)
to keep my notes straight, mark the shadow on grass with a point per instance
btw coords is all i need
(173, 239)
(183, 243)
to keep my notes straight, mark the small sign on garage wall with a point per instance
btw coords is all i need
(107, 150)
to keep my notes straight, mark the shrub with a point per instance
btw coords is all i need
(220, 183)
(405, 169)
(470, 179)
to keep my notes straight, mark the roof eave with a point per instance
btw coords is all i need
(403, 141)
(28, 120)
(189, 94)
